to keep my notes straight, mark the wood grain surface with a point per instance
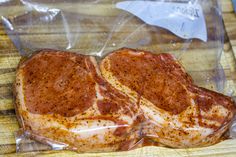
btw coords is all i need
(230, 26)
(201, 65)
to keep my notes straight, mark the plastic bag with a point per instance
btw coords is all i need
(98, 27)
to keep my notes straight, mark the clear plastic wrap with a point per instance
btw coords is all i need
(98, 27)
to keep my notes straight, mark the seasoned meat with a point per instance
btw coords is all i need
(65, 98)
(178, 113)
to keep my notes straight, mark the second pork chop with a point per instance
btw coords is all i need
(180, 114)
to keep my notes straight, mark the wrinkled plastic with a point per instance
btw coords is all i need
(97, 27)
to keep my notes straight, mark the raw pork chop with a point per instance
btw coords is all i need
(179, 113)
(61, 98)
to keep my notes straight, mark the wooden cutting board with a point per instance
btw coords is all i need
(9, 58)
